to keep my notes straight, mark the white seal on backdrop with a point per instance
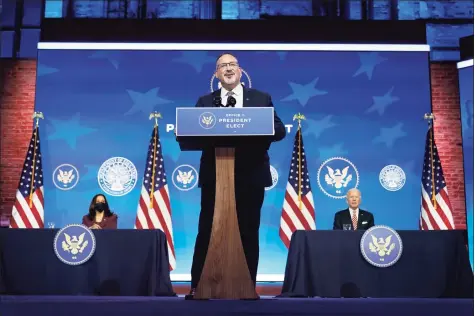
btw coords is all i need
(392, 178)
(117, 176)
(185, 177)
(336, 176)
(65, 176)
(275, 178)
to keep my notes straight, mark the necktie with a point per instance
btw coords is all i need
(231, 100)
(354, 220)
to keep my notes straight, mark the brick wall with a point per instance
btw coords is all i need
(448, 135)
(17, 104)
(17, 94)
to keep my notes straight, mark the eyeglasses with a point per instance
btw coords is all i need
(231, 65)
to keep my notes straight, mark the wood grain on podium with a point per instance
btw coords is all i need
(225, 273)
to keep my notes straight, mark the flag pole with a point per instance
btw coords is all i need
(154, 115)
(37, 116)
(430, 118)
(299, 117)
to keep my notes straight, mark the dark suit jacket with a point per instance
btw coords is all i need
(365, 220)
(251, 158)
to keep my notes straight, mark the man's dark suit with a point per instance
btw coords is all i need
(252, 176)
(365, 219)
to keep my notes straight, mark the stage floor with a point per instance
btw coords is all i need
(178, 306)
(262, 288)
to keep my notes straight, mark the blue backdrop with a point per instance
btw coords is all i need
(466, 106)
(364, 111)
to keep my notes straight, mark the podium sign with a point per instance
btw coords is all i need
(215, 121)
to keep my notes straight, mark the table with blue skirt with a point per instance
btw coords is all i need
(433, 264)
(125, 262)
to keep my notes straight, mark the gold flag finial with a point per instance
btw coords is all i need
(430, 117)
(299, 117)
(155, 115)
(38, 116)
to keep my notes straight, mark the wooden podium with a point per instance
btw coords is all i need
(225, 273)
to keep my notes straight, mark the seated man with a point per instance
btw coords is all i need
(353, 218)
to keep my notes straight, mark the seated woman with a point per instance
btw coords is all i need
(100, 216)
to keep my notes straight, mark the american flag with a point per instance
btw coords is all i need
(154, 210)
(28, 210)
(436, 210)
(298, 212)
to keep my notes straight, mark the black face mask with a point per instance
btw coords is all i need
(100, 207)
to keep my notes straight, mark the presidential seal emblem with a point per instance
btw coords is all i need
(381, 246)
(65, 177)
(275, 178)
(74, 244)
(117, 176)
(336, 176)
(216, 85)
(207, 120)
(185, 177)
(392, 178)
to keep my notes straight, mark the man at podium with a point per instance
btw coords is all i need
(252, 169)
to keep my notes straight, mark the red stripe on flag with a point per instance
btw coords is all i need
(34, 210)
(297, 211)
(432, 222)
(166, 200)
(22, 213)
(138, 225)
(441, 212)
(288, 221)
(284, 238)
(162, 221)
(13, 223)
(423, 225)
(442, 216)
(308, 206)
(144, 208)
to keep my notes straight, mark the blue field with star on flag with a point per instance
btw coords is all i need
(364, 111)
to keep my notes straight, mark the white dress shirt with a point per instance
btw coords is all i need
(237, 94)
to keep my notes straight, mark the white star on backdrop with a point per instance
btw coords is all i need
(303, 92)
(145, 102)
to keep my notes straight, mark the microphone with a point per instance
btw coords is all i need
(231, 102)
(217, 101)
